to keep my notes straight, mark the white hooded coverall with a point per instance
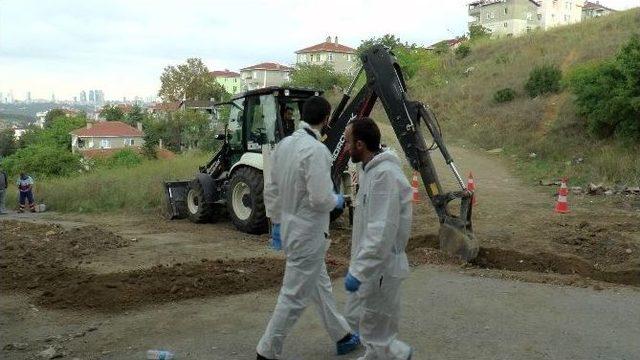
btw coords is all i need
(299, 197)
(381, 229)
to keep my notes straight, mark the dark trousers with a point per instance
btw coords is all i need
(27, 195)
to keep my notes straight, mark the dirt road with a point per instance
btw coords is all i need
(153, 283)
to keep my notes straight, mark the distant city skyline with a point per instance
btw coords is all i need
(95, 97)
(123, 46)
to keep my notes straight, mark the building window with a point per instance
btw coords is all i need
(528, 28)
(348, 57)
(105, 144)
(505, 11)
(488, 15)
(330, 57)
(529, 16)
(505, 24)
(234, 89)
(128, 142)
(566, 18)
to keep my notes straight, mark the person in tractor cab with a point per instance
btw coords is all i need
(288, 124)
(298, 199)
(25, 186)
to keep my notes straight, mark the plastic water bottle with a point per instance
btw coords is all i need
(159, 355)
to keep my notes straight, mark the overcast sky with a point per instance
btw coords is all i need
(121, 47)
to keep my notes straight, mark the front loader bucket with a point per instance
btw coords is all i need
(176, 199)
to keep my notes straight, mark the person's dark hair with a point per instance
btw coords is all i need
(315, 110)
(366, 130)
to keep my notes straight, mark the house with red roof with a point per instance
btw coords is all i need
(106, 137)
(230, 80)
(342, 58)
(264, 74)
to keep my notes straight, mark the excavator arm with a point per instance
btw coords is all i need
(385, 83)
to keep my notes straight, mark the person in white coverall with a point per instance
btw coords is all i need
(298, 200)
(381, 229)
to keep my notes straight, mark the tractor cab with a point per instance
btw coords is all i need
(233, 181)
(262, 117)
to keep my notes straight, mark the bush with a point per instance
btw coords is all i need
(42, 159)
(543, 79)
(462, 51)
(504, 95)
(123, 158)
(608, 93)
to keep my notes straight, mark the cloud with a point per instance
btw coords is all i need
(122, 46)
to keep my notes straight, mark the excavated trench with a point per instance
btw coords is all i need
(40, 268)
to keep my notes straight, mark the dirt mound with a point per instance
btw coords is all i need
(125, 290)
(602, 244)
(33, 253)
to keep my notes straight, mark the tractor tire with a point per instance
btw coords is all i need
(197, 208)
(245, 202)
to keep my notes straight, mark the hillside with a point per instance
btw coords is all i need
(547, 125)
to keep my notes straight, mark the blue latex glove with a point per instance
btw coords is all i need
(276, 241)
(351, 283)
(340, 201)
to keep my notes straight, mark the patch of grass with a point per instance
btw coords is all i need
(129, 189)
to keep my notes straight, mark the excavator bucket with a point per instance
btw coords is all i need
(176, 199)
(456, 234)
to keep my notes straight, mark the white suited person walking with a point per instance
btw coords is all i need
(298, 199)
(381, 229)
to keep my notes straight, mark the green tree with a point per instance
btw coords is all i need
(52, 114)
(154, 130)
(410, 56)
(388, 40)
(322, 77)
(477, 32)
(43, 159)
(190, 81)
(136, 115)
(7, 143)
(112, 113)
(57, 134)
(191, 125)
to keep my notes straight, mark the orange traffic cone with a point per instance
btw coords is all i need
(562, 206)
(414, 186)
(471, 186)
